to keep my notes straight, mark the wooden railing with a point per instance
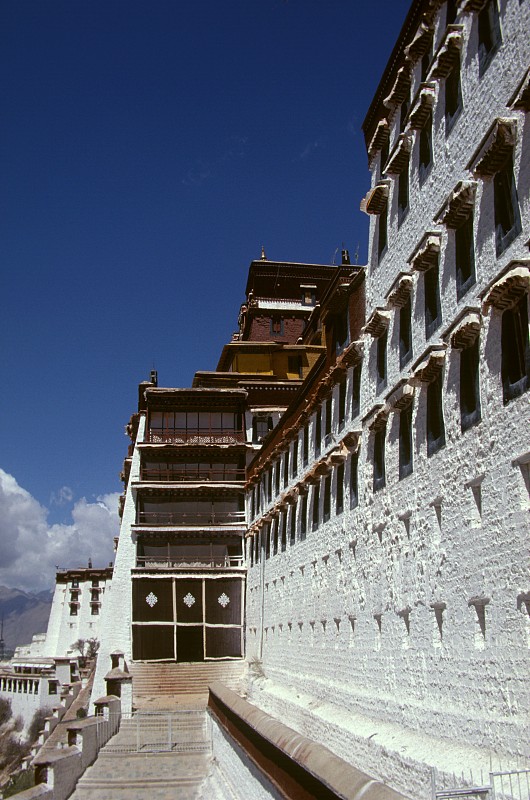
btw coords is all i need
(211, 517)
(201, 436)
(189, 562)
(183, 473)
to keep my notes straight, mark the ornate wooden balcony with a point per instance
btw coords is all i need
(189, 473)
(189, 562)
(190, 518)
(191, 437)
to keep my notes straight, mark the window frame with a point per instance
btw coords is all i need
(406, 457)
(464, 257)
(470, 409)
(315, 519)
(379, 476)
(435, 427)
(342, 402)
(506, 204)
(403, 193)
(356, 390)
(405, 332)
(453, 103)
(339, 490)
(381, 361)
(354, 480)
(514, 340)
(432, 300)
(489, 27)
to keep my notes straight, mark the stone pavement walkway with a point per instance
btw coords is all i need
(130, 768)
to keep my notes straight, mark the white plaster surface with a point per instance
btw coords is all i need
(237, 778)
(115, 631)
(328, 616)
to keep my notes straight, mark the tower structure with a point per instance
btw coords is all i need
(178, 590)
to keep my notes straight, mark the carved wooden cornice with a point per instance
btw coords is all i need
(379, 139)
(430, 366)
(427, 253)
(466, 331)
(399, 158)
(495, 149)
(401, 87)
(421, 42)
(459, 204)
(423, 105)
(376, 200)
(400, 290)
(377, 323)
(509, 288)
(448, 54)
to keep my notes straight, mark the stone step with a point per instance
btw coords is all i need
(180, 679)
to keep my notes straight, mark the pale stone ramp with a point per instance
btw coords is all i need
(122, 773)
(125, 771)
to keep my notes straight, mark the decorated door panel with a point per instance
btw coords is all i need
(187, 619)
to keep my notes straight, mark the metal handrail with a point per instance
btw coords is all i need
(211, 517)
(192, 474)
(199, 436)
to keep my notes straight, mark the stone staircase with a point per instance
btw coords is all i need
(159, 756)
(167, 684)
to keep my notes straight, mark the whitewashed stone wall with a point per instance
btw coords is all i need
(376, 611)
(233, 775)
(116, 624)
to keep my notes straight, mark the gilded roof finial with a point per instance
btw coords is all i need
(263, 256)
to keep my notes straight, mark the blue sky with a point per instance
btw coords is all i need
(148, 150)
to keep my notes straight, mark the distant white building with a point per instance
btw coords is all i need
(36, 675)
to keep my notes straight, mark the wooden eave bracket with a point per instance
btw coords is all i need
(377, 323)
(427, 253)
(495, 148)
(508, 289)
(448, 54)
(461, 318)
(379, 416)
(401, 396)
(338, 455)
(422, 107)
(311, 478)
(472, 6)
(521, 98)
(466, 331)
(290, 497)
(430, 365)
(420, 43)
(458, 205)
(379, 139)
(322, 467)
(400, 290)
(376, 200)
(352, 440)
(400, 88)
(399, 158)
(352, 355)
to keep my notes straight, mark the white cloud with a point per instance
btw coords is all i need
(30, 548)
(62, 497)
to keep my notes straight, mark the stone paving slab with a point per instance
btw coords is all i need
(131, 775)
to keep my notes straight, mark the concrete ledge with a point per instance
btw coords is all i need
(296, 765)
